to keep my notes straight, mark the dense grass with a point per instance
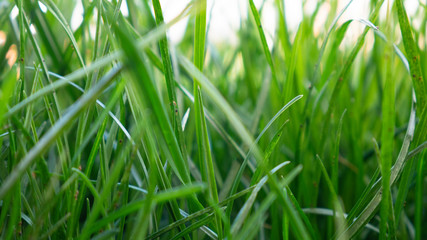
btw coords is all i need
(112, 132)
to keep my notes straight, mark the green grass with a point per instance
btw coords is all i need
(110, 131)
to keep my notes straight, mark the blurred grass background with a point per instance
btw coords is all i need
(112, 128)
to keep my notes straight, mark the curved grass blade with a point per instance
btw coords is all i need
(288, 87)
(147, 89)
(98, 102)
(246, 160)
(269, 150)
(256, 219)
(343, 75)
(411, 49)
(55, 227)
(198, 214)
(413, 55)
(331, 213)
(244, 211)
(56, 130)
(261, 33)
(194, 226)
(219, 100)
(61, 19)
(370, 208)
(162, 196)
(335, 201)
(144, 42)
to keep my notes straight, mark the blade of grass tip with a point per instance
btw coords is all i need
(263, 166)
(346, 70)
(325, 42)
(255, 219)
(340, 33)
(288, 87)
(296, 222)
(56, 130)
(253, 146)
(207, 165)
(301, 213)
(417, 150)
(261, 33)
(244, 211)
(340, 220)
(283, 27)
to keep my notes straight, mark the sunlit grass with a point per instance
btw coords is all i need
(110, 131)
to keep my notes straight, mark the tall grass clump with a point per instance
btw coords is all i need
(109, 130)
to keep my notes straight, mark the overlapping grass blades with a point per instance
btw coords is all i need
(94, 144)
